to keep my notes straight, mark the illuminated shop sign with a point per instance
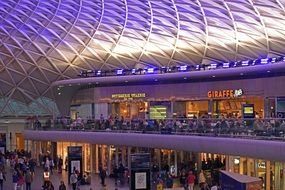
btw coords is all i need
(128, 96)
(261, 165)
(225, 93)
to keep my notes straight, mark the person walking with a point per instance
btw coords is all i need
(183, 179)
(215, 186)
(21, 181)
(103, 175)
(51, 165)
(169, 181)
(191, 180)
(73, 180)
(28, 180)
(2, 178)
(62, 186)
(60, 164)
(202, 178)
(116, 174)
(15, 179)
(46, 177)
(205, 187)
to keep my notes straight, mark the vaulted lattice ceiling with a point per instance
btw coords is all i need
(42, 41)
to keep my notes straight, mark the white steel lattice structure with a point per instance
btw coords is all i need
(47, 40)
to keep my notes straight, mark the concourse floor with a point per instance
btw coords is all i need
(56, 178)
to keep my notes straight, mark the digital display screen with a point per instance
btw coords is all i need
(140, 161)
(248, 110)
(75, 152)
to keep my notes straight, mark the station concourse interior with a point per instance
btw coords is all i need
(145, 94)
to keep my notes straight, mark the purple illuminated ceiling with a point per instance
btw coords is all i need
(43, 41)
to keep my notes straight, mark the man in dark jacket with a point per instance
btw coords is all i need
(102, 174)
(28, 180)
(62, 186)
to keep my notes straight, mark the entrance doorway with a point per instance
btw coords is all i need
(130, 110)
(20, 144)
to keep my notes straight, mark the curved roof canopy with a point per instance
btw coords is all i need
(46, 41)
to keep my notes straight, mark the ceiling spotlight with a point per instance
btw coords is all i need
(213, 66)
(226, 65)
(183, 68)
(98, 72)
(244, 63)
(120, 72)
(264, 61)
(150, 70)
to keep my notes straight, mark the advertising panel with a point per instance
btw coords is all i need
(140, 171)
(140, 180)
(74, 160)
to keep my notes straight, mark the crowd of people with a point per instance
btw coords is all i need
(23, 168)
(188, 176)
(204, 125)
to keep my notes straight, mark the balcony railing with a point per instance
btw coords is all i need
(268, 129)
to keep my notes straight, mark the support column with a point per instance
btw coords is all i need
(241, 160)
(282, 185)
(182, 157)
(268, 174)
(171, 108)
(199, 162)
(109, 159)
(266, 112)
(231, 163)
(129, 157)
(123, 153)
(175, 163)
(159, 158)
(91, 158)
(96, 159)
(228, 163)
(147, 113)
(103, 156)
(169, 158)
(211, 107)
(117, 156)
